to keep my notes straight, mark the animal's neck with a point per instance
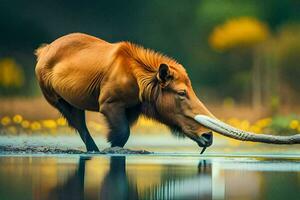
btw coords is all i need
(144, 64)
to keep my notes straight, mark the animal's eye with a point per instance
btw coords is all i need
(182, 93)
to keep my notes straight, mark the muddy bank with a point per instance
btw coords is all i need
(41, 149)
(72, 144)
(55, 150)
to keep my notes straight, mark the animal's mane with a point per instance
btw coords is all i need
(148, 58)
(145, 64)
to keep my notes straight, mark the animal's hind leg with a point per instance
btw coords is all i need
(76, 119)
(74, 116)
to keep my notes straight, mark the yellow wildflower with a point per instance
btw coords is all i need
(255, 129)
(35, 126)
(25, 124)
(51, 124)
(5, 121)
(244, 125)
(264, 122)
(294, 124)
(17, 119)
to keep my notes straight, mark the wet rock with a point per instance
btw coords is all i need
(120, 150)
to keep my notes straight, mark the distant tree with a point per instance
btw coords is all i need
(287, 52)
(240, 33)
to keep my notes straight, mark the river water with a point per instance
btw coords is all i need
(156, 176)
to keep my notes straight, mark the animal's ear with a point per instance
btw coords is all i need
(164, 74)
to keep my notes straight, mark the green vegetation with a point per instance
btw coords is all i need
(180, 29)
(285, 124)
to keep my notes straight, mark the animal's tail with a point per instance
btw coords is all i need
(39, 50)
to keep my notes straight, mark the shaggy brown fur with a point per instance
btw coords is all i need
(78, 72)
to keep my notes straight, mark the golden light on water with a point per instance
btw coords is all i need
(141, 177)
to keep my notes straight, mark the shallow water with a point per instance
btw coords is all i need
(158, 176)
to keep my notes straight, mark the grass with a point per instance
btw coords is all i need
(35, 115)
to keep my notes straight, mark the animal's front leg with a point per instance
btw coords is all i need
(118, 123)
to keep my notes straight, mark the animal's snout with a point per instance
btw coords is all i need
(205, 140)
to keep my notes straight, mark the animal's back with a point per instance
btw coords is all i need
(73, 66)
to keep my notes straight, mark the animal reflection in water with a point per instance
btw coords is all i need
(117, 184)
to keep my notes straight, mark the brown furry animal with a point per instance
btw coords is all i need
(78, 72)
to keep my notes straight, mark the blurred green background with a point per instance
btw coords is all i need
(237, 52)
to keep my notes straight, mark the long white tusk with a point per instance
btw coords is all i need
(229, 131)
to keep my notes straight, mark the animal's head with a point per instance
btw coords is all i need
(175, 101)
(178, 106)
(169, 95)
